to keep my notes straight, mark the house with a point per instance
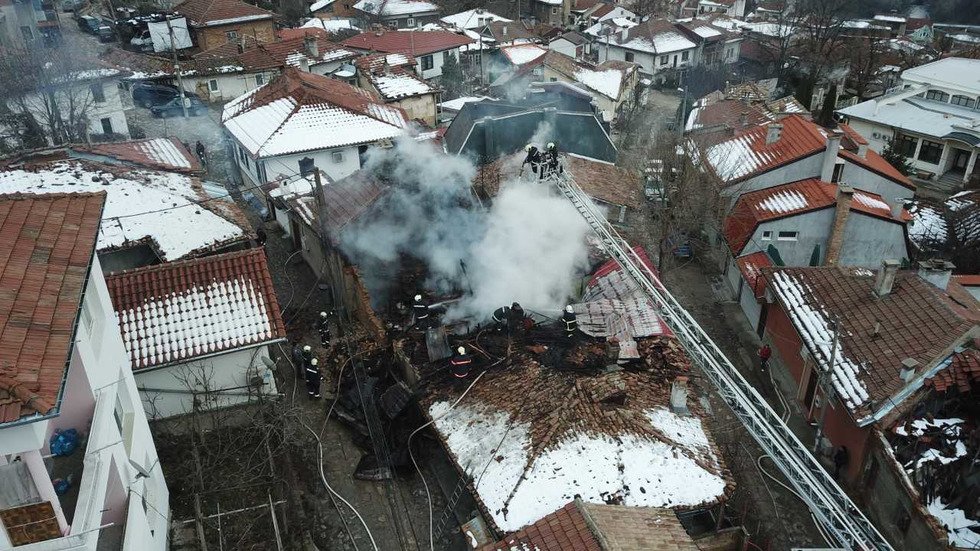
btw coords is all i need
(504, 33)
(199, 219)
(398, 14)
(551, 12)
(164, 154)
(656, 45)
(486, 130)
(612, 83)
(895, 23)
(299, 116)
(331, 26)
(392, 78)
(429, 48)
(28, 25)
(334, 10)
(214, 22)
(608, 12)
(312, 51)
(581, 525)
(199, 332)
(932, 121)
(572, 44)
(919, 30)
(731, 8)
(730, 114)
(716, 46)
(473, 20)
(66, 370)
(906, 348)
(615, 190)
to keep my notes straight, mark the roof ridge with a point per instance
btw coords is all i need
(26, 195)
(177, 264)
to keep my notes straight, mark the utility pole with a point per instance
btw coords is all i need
(180, 80)
(681, 124)
(827, 386)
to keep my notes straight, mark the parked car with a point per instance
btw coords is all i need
(142, 41)
(89, 24)
(105, 34)
(172, 108)
(149, 94)
(73, 5)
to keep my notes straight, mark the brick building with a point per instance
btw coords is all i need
(214, 22)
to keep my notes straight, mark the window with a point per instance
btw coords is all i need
(553, 79)
(964, 101)
(937, 95)
(118, 413)
(554, 11)
(410, 22)
(106, 125)
(906, 145)
(838, 173)
(930, 152)
(426, 62)
(767, 235)
(98, 94)
(213, 85)
(338, 156)
(629, 56)
(445, 56)
(231, 35)
(684, 56)
(664, 59)
(787, 236)
(259, 80)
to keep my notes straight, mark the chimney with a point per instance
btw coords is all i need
(863, 150)
(908, 370)
(678, 395)
(830, 156)
(936, 271)
(623, 36)
(743, 119)
(845, 194)
(241, 47)
(312, 47)
(304, 64)
(503, 30)
(897, 208)
(773, 133)
(886, 277)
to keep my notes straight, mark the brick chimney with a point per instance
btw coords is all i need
(773, 133)
(830, 156)
(936, 271)
(312, 47)
(886, 277)
(678, 395)
(845, 194)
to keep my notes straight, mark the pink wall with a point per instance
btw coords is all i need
(78, 404)
(115, 507)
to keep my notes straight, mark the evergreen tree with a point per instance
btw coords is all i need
(452, 78)
(896, 159)
(826, 118)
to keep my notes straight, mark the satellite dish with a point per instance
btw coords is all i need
(140, 471)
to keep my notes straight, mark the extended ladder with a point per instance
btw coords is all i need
(828, 502)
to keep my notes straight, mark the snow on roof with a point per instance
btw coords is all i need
(320, 4)
(231, 20)
(330, 25)
(616, 25)
(961, 528)
(163, 151)
(517, 489)
(523, 53)
(400, 85)
(769, 29)
(746, 154)
(951, 70)
(395, 7)
(472, 19)
(815, 330)
(890, 18)
(870, 202)
(154, 153)
(458, 103)
(660, 42)
(706, 31)
(179, 311)
(161, 208)
(784, 201)
(918, 115)
(606, 82)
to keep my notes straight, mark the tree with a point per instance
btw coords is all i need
(866, 60)
(826, 116)
(453, 81)
(897, 159)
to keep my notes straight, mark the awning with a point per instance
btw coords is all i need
(963, 137)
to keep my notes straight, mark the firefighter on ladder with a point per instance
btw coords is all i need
(421, 312)
(460, 363)
(570, 321)
(313, 379)
(323, 328)
(551, 158)
(532, 158)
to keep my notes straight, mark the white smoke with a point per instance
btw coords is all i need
(528, 247)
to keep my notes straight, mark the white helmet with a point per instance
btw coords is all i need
(461, 350)
(551, 145)
(314, 361)
(307, 348)
(527, 147)
(418, 298)
(323, 314)
(569, 309)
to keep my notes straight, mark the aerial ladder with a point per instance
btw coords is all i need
(831, 507)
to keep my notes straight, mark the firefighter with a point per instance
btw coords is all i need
(500, 316)
(421, 311)
(313, 379)
(298, 361)
(551, 157)
(516, 320)
(533, 158)
(260, 236)
(570, 321)
(460, 363)
(307, 355)
(324, 329)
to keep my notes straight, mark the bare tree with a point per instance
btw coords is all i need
(866, 58)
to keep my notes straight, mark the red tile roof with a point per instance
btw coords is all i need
(727, 113)
(177, 311)
(751, 267)
(791, 199)
(156, 153)
(45, 257)
(415, 43)
(283, 50)
(603, 10)
(967, 280)
(963, 372)
(581, 526)
(344, 201)
(217, 12)
(876, 163)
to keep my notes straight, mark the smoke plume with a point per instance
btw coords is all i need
(528, 247)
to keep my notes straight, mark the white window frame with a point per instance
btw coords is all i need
(213, 85)
(795, 235)
(767, 235)
(337, 157)
(664, 60)
(410, 22)
(259, 79)
(231, 35)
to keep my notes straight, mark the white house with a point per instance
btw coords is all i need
(69, 371)
(571, 44)
(301, 116)
(655, 45)
(402, 14)
(934, 120)
(471, 20)
(199, 332)
(733, 8)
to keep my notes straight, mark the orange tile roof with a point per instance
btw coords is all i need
(750, 265)
(963, 372)
(156, 153)
(410, 42)
(967, 280)
(178, 311)
(45, 257)
(212, 12)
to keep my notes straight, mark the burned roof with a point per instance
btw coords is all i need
(156, 153)
(45, 257)
(344, 200)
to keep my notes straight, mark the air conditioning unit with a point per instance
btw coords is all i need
(877, 135)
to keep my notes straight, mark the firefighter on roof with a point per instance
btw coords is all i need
(460, 363)
(570, 321)
(551, 157)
